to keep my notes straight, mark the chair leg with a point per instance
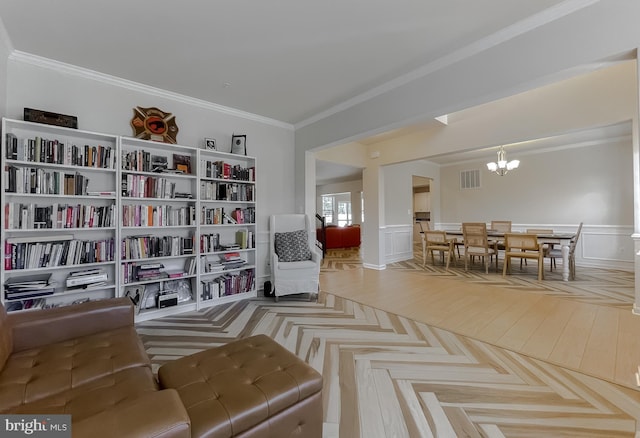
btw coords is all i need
(506, 266)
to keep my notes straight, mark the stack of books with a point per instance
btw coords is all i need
(231, 260)
(150, 271)
(86, 279)
(29, 287)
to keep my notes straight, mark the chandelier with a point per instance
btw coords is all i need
(502, 166)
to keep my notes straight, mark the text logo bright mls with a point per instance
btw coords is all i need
(35, 426)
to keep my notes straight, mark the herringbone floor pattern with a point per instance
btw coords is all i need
(388, 376)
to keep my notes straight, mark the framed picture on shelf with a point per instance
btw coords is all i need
(239, 144)
(182, 163)
(210, 144)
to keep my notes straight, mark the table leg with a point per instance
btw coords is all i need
(565, 261)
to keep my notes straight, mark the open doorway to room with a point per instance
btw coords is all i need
(421, 187)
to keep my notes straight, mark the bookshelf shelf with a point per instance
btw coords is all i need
(116, 175)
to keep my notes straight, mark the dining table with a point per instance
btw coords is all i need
(562, 239)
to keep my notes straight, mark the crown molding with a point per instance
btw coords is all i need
(547, 16)
(69, 69)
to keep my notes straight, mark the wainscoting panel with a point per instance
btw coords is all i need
(398, 241)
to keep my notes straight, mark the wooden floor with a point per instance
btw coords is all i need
(598, 337)
(390, 375)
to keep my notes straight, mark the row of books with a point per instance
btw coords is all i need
(133, 272)
(220, 215)
(221, 170)
(245, 239)
(142, 161)
(42, 150)
(221, 191)
(57, 216)
(142, 247)
(228, 284)
(51, 251)
(157, 215)
(143, 186)
(44, 182)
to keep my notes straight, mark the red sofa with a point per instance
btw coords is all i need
(340, 237)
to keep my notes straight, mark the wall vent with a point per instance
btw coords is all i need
(470, 179)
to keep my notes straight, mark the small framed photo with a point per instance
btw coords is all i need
(210, 144)
(239, 144)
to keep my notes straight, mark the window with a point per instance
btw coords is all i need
(336, 209)
(344, 213)
(327, 208)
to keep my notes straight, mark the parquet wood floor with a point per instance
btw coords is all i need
(585, 325)
(463, 354)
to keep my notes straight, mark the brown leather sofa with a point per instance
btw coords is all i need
(88, 361)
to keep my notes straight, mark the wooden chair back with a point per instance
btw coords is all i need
(475, 235)
(501, 226)
(521, 241)
(523, 246)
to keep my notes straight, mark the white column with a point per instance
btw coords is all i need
(636, 193)
(373, 245)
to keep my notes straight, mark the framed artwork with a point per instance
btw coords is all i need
(154, 124)
(239, 144)
(210, 144)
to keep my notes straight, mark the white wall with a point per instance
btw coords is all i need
(5, 51)
(106, 105)
(591, 184)
(398, 227)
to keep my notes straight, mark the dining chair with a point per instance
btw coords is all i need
(546, 246)
(555, 253)
(476, 243)
(501, 227)
(436, 241)
(523, 246)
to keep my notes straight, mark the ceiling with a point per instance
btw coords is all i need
(287, 60)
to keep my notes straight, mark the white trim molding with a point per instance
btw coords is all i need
(86, 73)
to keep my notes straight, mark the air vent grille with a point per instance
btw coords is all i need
(470, 179)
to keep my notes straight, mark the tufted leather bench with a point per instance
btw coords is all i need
(251, 388)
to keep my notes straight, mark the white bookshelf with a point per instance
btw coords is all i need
(37, 211)
(148, 210)
(227, 192)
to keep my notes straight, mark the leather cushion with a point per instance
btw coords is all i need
(96, 396)
(6, 339)
(37, 373)
(230, 389)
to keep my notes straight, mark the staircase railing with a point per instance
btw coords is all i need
(321, 237)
